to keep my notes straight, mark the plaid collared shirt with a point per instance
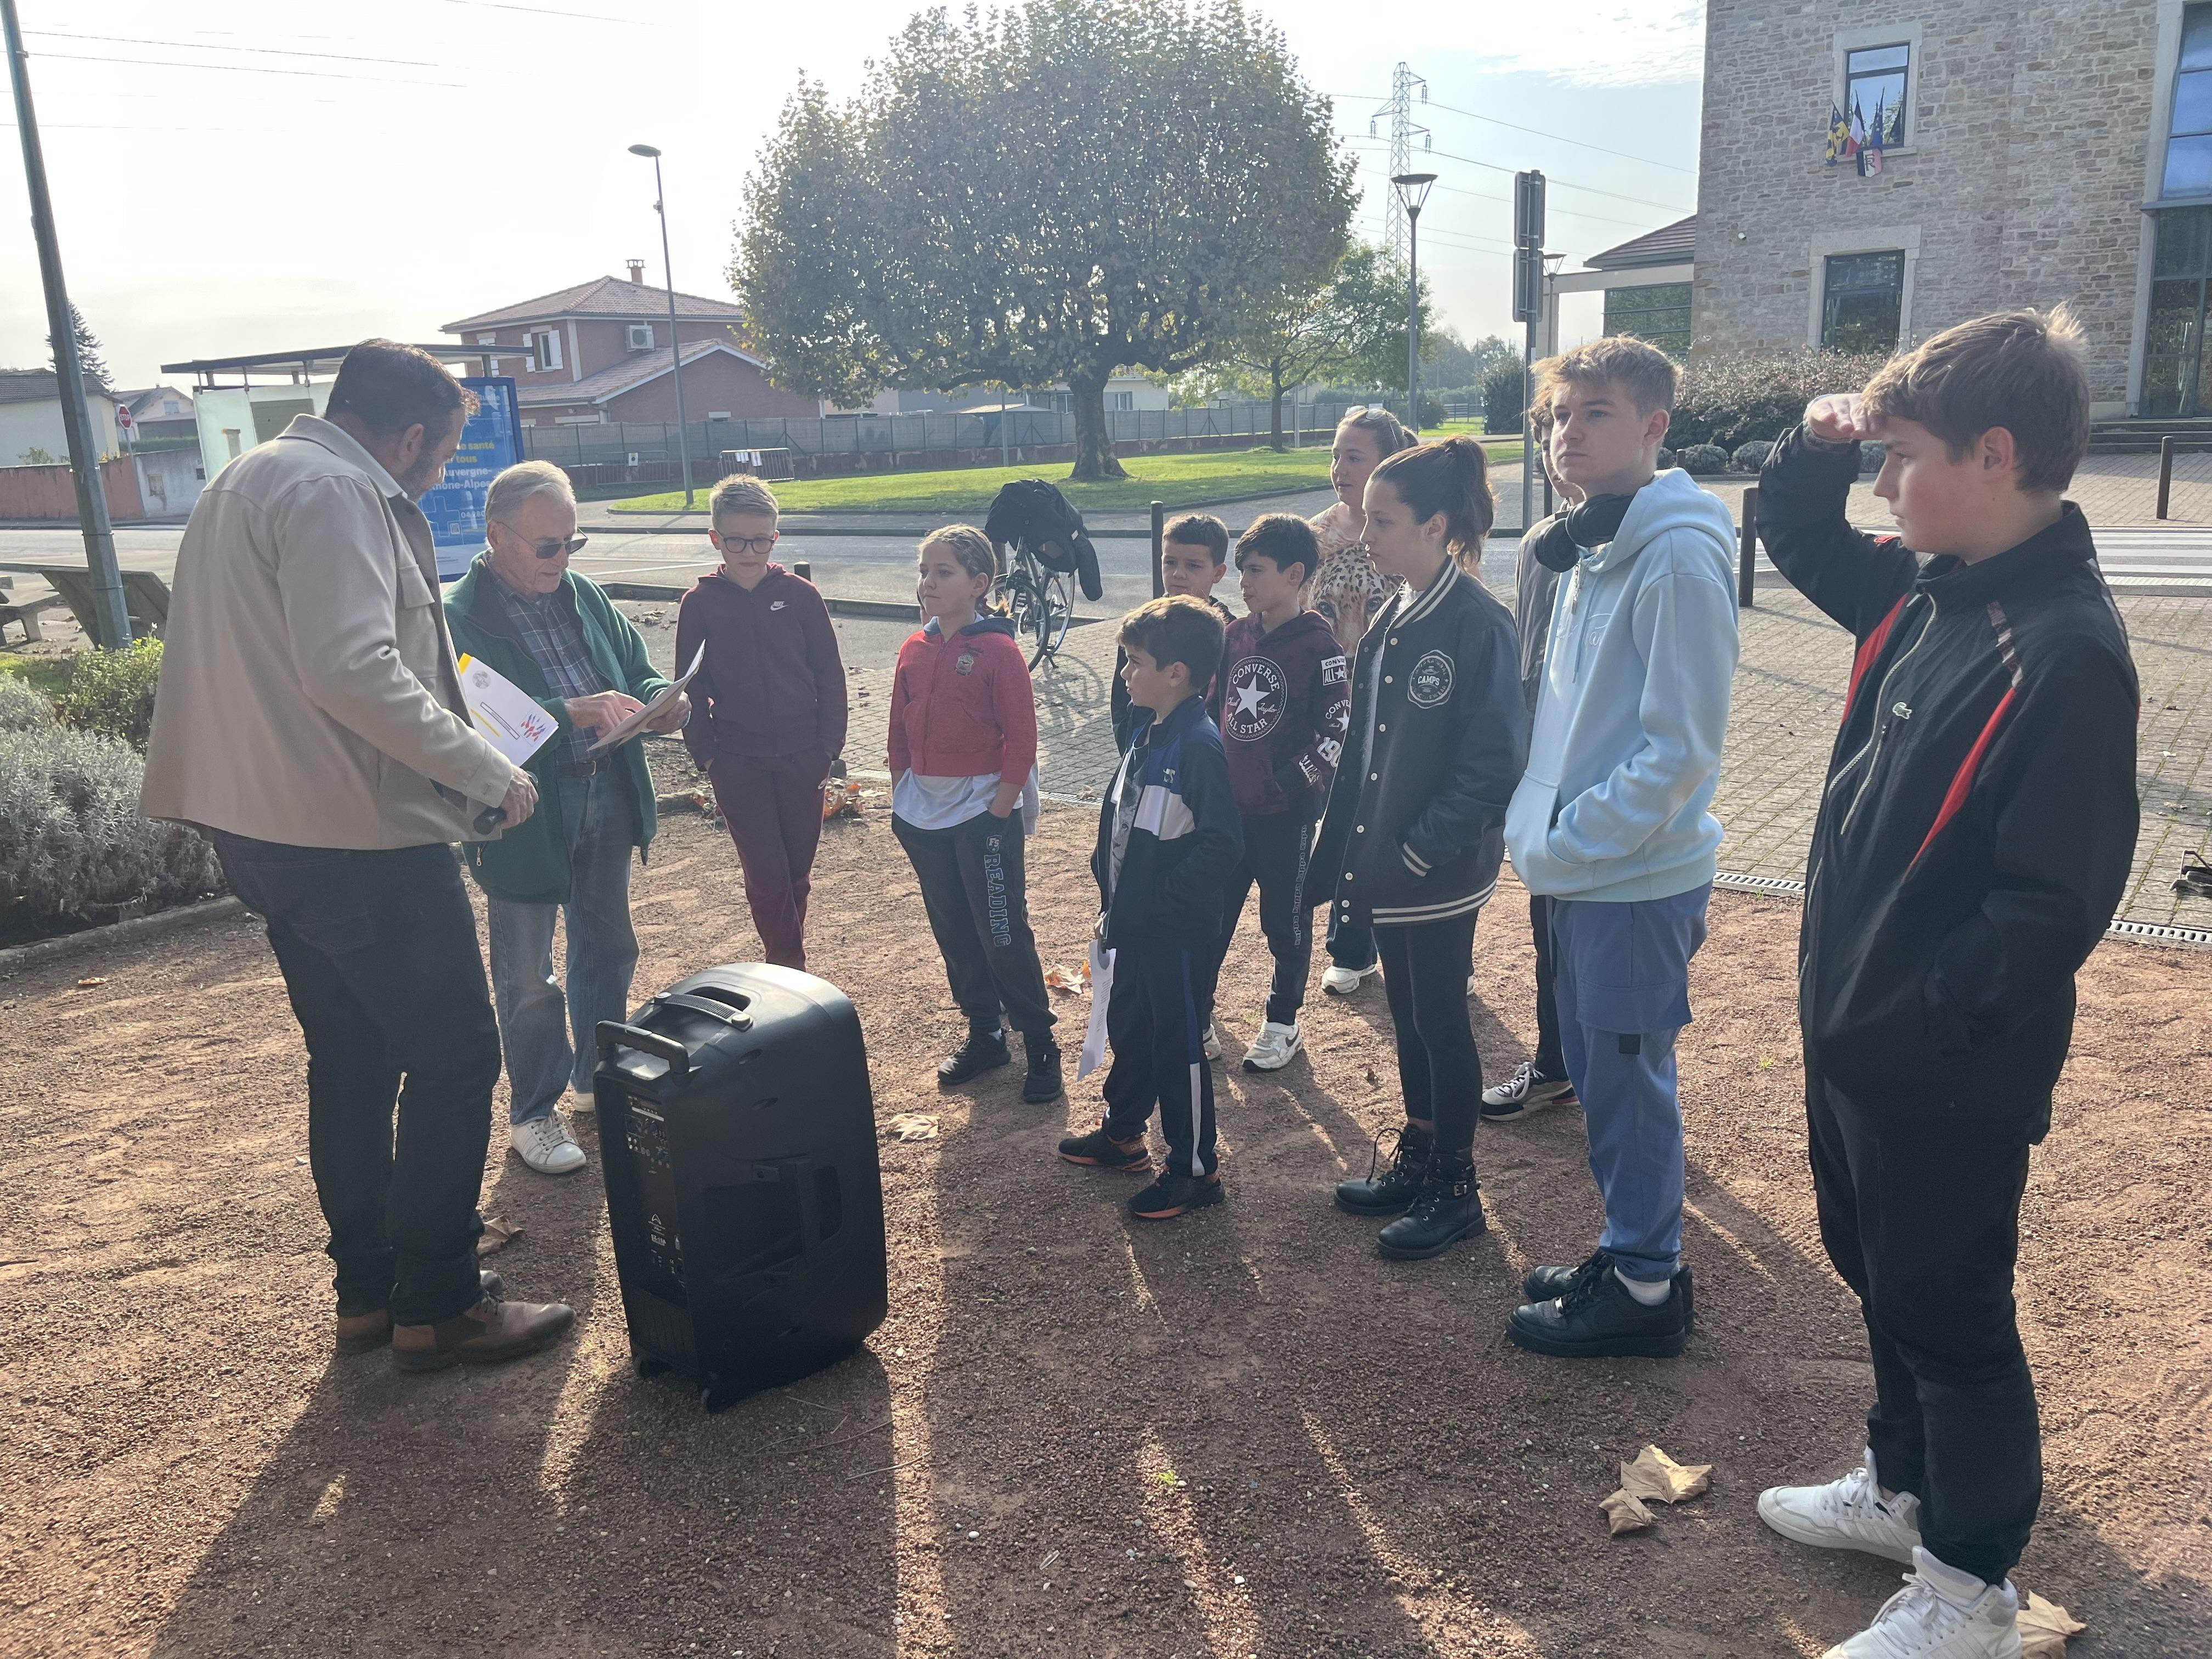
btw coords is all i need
(553, 634)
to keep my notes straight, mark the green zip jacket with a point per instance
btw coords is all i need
(529, 864)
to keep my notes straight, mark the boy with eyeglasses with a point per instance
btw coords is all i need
(771, 705)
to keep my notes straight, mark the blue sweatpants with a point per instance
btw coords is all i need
(1622, 980)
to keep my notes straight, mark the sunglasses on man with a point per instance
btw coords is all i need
(553, 546)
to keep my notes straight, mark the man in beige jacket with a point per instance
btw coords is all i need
(310, 719)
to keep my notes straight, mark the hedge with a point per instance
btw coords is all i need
(112, 692)
(1733, 398)
(73, 848)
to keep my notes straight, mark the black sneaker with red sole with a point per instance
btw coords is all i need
(1100, 1150)
(1172, 1195)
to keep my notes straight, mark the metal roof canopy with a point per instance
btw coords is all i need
(301, 365)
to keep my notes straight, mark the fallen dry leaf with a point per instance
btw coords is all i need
(1068, 982)
(497, 1235)
(1624, 1512)
(87, 984)
(911, 1126)
(2043, 1628)
(1656, 1476)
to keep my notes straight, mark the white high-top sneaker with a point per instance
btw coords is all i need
(1847, 1514)
(1935, 1616)
(545, 1144)
(1343, 981)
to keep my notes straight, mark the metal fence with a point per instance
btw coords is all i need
(654, 444)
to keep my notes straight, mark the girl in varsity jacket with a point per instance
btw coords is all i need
(1415, 830)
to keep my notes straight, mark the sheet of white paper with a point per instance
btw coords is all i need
(514, 721)
(1102, 988)
(636, 723)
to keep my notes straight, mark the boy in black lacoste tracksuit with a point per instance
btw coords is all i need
(1283, 700)
(1167, 837)
(1975, 837)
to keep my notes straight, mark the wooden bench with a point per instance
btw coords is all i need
(145, 597)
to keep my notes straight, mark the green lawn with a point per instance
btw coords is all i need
(49, 674)
(1176, 480)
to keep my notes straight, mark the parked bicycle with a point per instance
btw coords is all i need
(1043, 556)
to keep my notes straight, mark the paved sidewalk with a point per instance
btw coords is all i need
(1788, 700)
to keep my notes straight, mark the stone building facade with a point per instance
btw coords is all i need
(2029, 165)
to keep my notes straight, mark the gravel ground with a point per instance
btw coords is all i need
(1239, 1434)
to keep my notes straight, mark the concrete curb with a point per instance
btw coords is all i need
(117, 932)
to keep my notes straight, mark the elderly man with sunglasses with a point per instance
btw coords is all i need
(521, 610)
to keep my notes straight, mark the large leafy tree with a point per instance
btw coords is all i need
(1350, 328)
(1045, 193)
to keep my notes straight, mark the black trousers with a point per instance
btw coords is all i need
(975, 889)
(1155, 1026)
(380, 954)
(1278, 848)
(1551, 1059)
(1424, 976)
(1920, 1208)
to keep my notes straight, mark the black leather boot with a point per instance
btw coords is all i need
(1389, 1193)
(1447, 1209)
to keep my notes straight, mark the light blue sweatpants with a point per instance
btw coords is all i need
(1622, 979)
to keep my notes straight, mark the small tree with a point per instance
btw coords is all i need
(1049, 192)
(1446, 360)
(1353, 326)
(89, 357)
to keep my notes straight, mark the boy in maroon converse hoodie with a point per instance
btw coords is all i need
(769, 704)
(1284, 701)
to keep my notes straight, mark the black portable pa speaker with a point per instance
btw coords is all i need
(738, 1140)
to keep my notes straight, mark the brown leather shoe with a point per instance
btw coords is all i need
(365, 1333)
(485, 1334)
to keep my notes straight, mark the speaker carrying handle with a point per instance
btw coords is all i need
(612, 1033)
(735, 1018)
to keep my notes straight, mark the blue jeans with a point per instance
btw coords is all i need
(534, 1023)
(1621, 976)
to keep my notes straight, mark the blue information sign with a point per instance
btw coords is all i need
(490, 443)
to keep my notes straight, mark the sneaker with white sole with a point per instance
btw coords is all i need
(1272, 1050)
(1527, 1090)
(1846, 1513)
(545, 1144)
(1931, 1618)
(1341, 982)
(1211, 1045)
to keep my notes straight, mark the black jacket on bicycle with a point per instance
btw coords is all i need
(1415, 829)
(1034, 514)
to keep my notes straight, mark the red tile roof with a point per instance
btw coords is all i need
(603, 297)
(633, 371)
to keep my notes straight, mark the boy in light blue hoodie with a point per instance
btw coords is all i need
(1612, 824)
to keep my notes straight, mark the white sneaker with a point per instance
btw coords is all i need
(1526, 1091)
(1272, 1050)
(546, 1146)
(1848, 1514)
(1212, 1046)
(1343, 981)
(1927, 1621)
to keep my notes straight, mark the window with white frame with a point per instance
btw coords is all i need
(1125, 400)
(545, 346)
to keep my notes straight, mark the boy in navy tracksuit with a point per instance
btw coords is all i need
(1284, 702)
(1167, 837)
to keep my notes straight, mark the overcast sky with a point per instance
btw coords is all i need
(261, 176)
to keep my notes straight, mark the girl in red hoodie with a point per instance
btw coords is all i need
(770, 702)
(964, 740)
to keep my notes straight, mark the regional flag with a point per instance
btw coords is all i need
(1839, 135)
(1870, 152)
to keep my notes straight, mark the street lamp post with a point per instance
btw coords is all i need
(675, 347)
(1413, 190)
(1551, 326)
(111, 619)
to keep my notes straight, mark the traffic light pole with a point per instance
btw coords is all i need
(112, 620)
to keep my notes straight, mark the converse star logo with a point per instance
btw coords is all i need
(1256, 699)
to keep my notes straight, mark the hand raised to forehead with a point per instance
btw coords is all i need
(1840, 417)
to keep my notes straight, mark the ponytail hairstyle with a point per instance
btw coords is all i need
(1388, 431)
(973, 551)
(1450, 477)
